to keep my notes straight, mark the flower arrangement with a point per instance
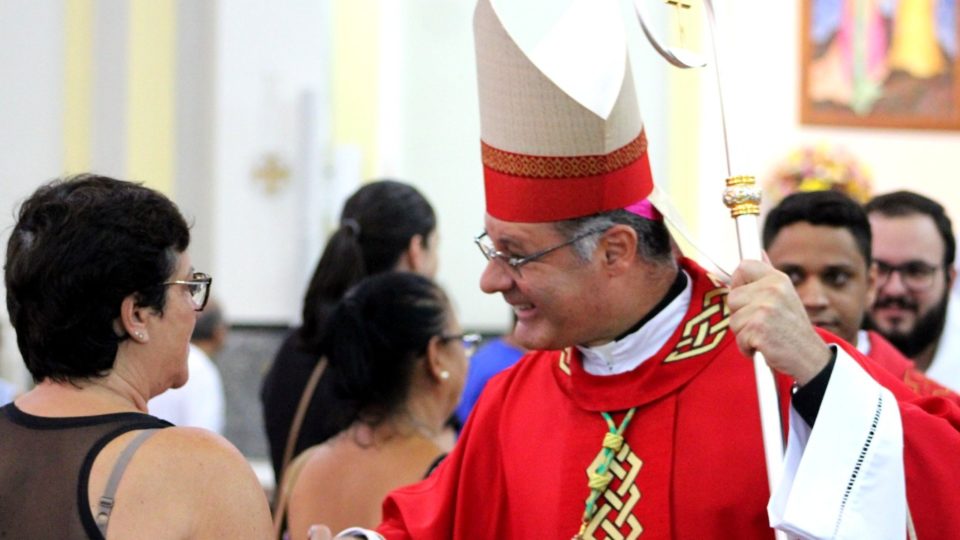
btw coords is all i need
(819, 168)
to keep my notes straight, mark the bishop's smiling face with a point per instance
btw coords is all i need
(557, 298)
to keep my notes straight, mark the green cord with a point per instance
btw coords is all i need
(601, 477)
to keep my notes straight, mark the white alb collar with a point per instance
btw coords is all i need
(627, 353)
(863, 342)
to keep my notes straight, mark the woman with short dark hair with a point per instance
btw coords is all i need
(103, 297)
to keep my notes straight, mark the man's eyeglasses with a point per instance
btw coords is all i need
(198, 286)
(469, 341)
(915, 275)
(490, 252)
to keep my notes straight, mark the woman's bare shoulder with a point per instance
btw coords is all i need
(197, 478)
(336, 486)
(199, 444)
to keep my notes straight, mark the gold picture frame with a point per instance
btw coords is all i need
(878, 63)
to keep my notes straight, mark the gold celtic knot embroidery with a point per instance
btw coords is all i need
(621, 496)
(705, 331)
(565, 360)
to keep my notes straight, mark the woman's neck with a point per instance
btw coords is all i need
(400, 428)
(105, 395)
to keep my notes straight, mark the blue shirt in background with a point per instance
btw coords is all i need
(490, 359)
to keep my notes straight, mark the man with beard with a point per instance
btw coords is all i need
(914, 249)
(821, 241)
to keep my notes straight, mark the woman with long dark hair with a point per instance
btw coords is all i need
(397, 362)
(386, 225)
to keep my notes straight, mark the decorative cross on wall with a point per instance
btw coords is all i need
(272, 172)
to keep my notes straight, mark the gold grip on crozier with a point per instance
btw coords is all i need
(742, 196)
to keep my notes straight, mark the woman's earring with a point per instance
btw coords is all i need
(139, 336)
(444, 374)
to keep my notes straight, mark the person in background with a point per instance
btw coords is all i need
(491, 358)
(386, 225)
(103, 297)
(821, 240)
(914, 250)
(7, 392)
(199, 403)
(398, 360)
(7, 389)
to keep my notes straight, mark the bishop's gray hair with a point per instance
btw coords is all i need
(653, 238)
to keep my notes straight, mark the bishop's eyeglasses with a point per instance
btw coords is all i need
(490, 251)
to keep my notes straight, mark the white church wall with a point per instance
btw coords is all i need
(272, 64)
(31, 125)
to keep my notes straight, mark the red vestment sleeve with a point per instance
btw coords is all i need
(887, 356)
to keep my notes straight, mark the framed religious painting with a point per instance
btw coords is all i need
(880, 63)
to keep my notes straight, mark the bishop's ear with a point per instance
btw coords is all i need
(618, 247)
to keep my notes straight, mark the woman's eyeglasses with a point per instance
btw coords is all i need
(198, 286)
(469, 341)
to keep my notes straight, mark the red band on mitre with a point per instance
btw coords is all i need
(535, 189)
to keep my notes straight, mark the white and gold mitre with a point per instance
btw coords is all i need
(561, 133)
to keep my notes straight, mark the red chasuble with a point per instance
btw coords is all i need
(692, 465)
(887, 356)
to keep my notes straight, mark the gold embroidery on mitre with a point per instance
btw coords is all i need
(565, 361)
(705, 331)
(562, 166)
(622, 499)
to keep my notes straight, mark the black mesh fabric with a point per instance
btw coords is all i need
(44, 467)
